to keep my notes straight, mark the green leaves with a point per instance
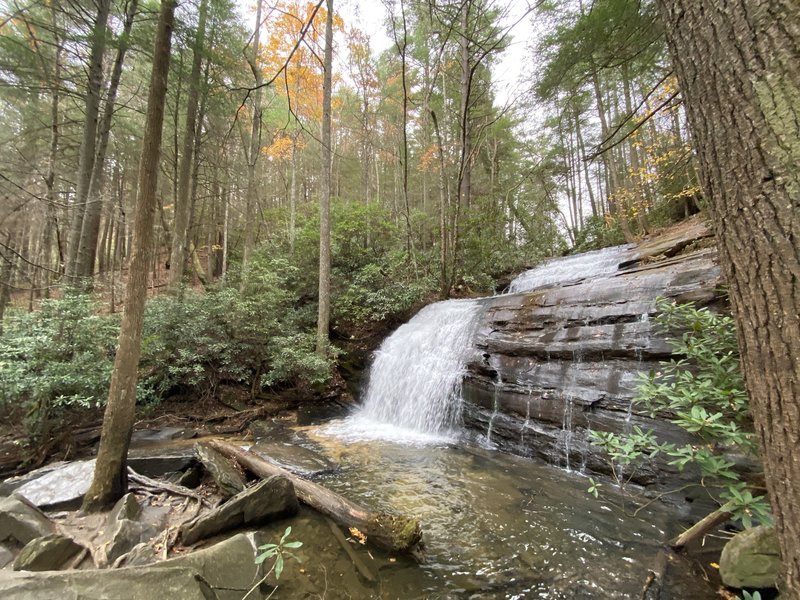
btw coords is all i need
(702, 392)
(279, 551)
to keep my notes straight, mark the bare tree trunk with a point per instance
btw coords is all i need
(87, 246)
(324, 313)
(89, 141)
(736, 62)
(110, 476)
(177, 261)
(254, 150)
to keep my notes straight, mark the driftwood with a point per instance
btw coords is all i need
(395, 533)
(703, 526)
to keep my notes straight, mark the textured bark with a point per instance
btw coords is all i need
(89, 140)
(324, 313)
(737, 64)
(177, 261)
(110, 476)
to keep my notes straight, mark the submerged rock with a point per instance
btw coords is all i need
(21, 521)
(751, 559)
(270, 499)
(48, 553)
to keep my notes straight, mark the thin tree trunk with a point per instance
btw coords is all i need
(87, 246)
(324, 313)
(177, 261)
(110, 475)
(89, 141)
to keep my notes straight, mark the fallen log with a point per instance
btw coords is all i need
(395, 533)
(703, 526)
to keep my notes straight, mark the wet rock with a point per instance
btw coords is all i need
(553, 364)
(270, 499)
(228, 479)
(48, 553)
(11, 484)
(228, 567)
(296, 459)
(22, 521)
(145, 437)
(132, 584)
(751, 559)
(62, 488)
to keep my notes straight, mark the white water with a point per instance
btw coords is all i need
(414, 389)
(597, 264)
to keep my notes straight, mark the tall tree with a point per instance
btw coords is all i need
(110, 475)
(324, 313)
(737, 65)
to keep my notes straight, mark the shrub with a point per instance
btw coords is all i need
(702, 392)
(58, 357)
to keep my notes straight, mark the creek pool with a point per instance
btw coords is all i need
(495, 526)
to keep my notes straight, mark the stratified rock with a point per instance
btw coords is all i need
(48, 553)
(21, 521)
(751, 559)
(268, 500)
(62, 488)
(562, 360)
(228, 479)
(147, 583)
(157, 462)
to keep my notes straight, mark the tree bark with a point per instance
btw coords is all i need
(89, 141)
(90, 228)
(324, 313)
(736, 62)
(395, 533)
(110, 476)
(177, 261)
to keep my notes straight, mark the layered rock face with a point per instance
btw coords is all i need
(562, 359)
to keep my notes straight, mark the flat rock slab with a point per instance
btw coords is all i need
(22, 521)
(268, 500)
(10, 485)
(48, 553)
(295, 459)
(62, 488)
(149, 583)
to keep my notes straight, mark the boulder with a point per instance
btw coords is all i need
(268, 500)
(10, 485)
(123, 530)
(227, 477)
(131, 584)
(751, 559)
(22, 521)
(62, 488)
(48, 553)
(228, 567)
(6, 554)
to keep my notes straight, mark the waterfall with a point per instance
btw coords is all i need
(415, 379)
(597, 264)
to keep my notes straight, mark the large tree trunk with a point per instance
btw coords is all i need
(177, 261)
(324, 313)
(395, 533)
(737, 63)
(110, 476)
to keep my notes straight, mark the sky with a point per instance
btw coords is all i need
(508, 75)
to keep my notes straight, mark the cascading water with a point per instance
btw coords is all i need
(415, 380)
(597, 264)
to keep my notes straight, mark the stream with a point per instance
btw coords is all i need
(495, 525)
